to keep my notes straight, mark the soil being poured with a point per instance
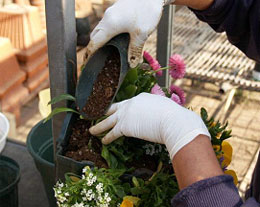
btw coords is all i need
(104, 87)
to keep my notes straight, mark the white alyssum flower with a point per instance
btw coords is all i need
(99, 187)
(91, 179)
(84, 170)
(78, 205)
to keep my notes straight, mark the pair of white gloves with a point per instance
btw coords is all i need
(150, 117)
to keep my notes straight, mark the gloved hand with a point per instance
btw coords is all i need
(153, 118)
(139, 18)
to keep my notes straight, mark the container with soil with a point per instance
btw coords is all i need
(142, 169)
(79, 148)
(101, 78)
(108, 80)
(104, 87)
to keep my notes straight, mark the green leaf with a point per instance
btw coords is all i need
(120, 96)
(71, 177)
(120, 191)
(204, 114)
(61, 98)
(109, 157)
(130, 91)
(124, 84)
(120, 153)
(132, 76)
(59, 110)
(135, 182)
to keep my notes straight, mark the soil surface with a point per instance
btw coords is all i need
(104, 87)
(84, 146)
(147, 162)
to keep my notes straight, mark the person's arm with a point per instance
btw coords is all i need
(201, 180)
(196, 161)
(195, 4)
(240, 19)
(188, 141)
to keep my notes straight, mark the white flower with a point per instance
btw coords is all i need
(62, 199)
(84, 170)
(90, 175)
(66, 194)
(99, 187)
(78, 204)
(83, 192)
(94, 179)
(61, 185)
(108, 199)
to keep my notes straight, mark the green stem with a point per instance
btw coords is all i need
(160, 69)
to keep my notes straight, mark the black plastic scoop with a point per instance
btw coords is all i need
(96, 63)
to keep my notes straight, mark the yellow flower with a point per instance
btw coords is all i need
(218, 135)
(216, 148)
(227, 149)
(130, 201)
(127, 203)
(227, 153)
(233, 174)
(212, 124)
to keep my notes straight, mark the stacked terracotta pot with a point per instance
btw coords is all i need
(41, 6)
(22, 25)
(25, 32)
(12, 90)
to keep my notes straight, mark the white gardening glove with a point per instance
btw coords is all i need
(139, 18)
(153, 118)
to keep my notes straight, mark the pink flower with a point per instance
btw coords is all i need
(157, 90)
(179, 92)
(153, 63)
(176, 98)
(177, 66)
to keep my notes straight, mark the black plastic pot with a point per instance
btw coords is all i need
(66, 164)
(96, 64)
(83, 91)
(9, 178)
(40, 146)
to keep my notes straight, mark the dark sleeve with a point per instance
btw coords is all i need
(213, 192)
(240, 19)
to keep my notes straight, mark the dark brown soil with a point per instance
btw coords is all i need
(147, 162)
(83, 146)
(104, 87)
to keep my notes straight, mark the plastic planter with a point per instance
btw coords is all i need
(4, 129)
(40, 145)
(83, 91)
(95, 64)
(66, 164)
(9, 178)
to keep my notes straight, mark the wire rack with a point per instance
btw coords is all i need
(208, 55)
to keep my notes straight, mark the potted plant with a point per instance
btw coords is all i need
(121, 174)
